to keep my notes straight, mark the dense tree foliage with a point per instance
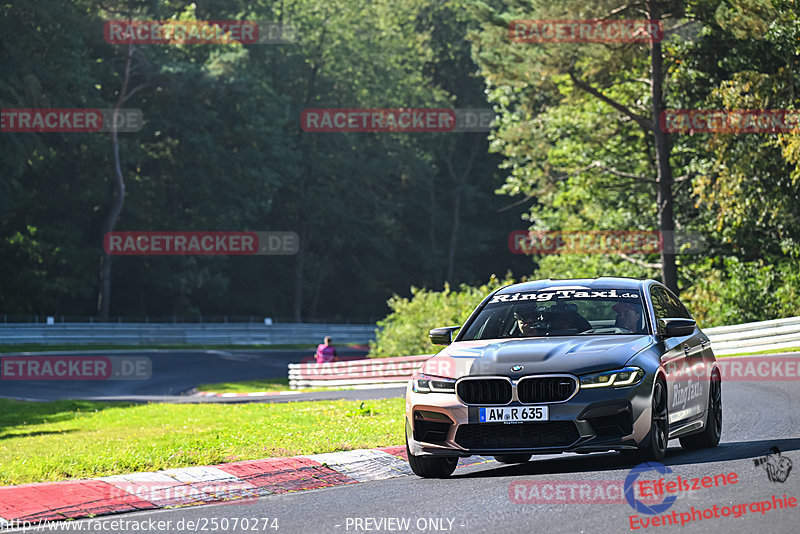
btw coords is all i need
(575, 147)
(405, 330)
(222, 149)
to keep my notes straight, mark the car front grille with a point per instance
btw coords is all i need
(484, 391)
(545, 389)
(493, 436)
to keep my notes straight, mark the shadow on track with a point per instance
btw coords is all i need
(611, 461)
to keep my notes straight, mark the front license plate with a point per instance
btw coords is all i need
(514, 414)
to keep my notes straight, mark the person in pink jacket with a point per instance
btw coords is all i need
(326, 352)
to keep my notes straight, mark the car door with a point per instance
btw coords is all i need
(697, 356)
(682, 358)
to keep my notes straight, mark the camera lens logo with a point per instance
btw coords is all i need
(638, 505)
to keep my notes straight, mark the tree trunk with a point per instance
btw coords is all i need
(318, 287)
(104, 296)
(299, 266)
(460, 182)
(451, 254)
(664, 180)
(432, 235)
(104, 299)
(304, 229)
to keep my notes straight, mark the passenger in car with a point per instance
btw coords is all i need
(628, 316)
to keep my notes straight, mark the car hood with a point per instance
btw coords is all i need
(574, 355)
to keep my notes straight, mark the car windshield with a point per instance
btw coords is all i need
(560, 312)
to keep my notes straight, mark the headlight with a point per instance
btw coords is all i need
(629, 376)
(432, 384)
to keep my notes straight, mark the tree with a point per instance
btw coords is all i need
(608, 74)
(124, 94)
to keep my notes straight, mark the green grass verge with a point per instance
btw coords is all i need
(59, 440)
(247, 386)
(770, 351)
(38, 347)
(265, 384)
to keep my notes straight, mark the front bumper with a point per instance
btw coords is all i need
(593, 420)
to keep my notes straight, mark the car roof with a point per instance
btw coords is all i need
(605, 282)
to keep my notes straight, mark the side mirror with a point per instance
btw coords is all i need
(677, 327)
(442, 335)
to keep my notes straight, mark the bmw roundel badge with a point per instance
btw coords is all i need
(516, 368)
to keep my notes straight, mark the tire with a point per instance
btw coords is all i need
(654, 447)
(513, 458)
(431, 466)
(712, 432)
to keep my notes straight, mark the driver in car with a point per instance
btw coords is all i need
(530, 321)
(628, 316)
(541, 321)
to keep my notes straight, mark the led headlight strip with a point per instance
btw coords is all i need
(629, 376)
(432, 384)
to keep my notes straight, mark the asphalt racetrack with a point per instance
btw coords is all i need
(757, 417)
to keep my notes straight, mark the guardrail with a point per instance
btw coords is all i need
(183, 334)
(755, 337)
(747, 337)
(367, 372)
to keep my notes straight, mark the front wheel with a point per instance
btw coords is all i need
(431, 466)
(654, 446)
(712, 432)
